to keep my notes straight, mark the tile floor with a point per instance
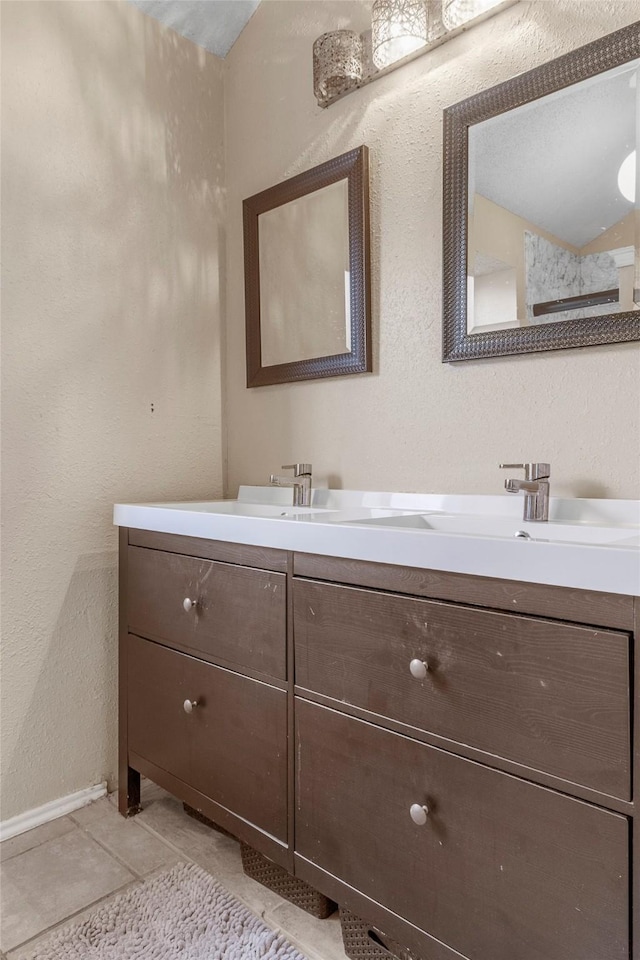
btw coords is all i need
(59, 872)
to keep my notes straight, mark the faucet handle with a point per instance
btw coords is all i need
(532, 471)
(299, 469)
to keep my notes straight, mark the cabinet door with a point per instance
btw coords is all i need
(552, 696)
(239, 616)
(231, 747)
(501, 869)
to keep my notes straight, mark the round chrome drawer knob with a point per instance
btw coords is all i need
(419, 669)
(190, 705)
(419, 813)
(189, 604)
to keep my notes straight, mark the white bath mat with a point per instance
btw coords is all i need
(182, 914)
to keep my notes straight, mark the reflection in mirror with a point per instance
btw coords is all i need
(307, 274)
(540, 212)
(308, 237)
(551, 235)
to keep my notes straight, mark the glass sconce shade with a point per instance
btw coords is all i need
(457, 12)
(337, 63)
(398, 28)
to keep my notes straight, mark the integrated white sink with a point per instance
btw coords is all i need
(587, 544)
(240, 508)
(487, 526)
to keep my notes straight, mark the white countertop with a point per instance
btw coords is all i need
(587, 544)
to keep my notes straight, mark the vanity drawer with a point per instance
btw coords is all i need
(501, 869)
(549, 695)
(240, 612)
(232, 746)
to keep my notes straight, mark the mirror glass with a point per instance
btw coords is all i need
(551, 234)
(308, 237)
(540, 218)
(307, 274)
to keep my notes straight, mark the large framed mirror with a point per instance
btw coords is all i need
(540, 211)
(307, 274)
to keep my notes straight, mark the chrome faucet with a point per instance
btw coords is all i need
(535, 487)
(301, 483)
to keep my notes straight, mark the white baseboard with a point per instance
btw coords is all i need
(50, 811)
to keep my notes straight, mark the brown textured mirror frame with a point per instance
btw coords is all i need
(353, 167)
(604, 54)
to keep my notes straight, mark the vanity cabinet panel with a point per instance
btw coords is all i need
(501, 869)
(312, 738)
(239, 617)
(232, 747)
(610, 610)
(550, 695)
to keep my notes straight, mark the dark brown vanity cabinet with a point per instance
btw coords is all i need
(549, 695)
(464, 776)
(237, 613)
(496, 867)
(203, 682)
(449, 757)
(231, 744)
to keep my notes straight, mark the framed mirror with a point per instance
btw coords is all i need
(540, 211)
(307, 274)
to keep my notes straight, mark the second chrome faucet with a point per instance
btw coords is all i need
(301, 483)
(535, 487)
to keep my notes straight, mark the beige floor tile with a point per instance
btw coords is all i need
(319, 939)
(220, 856)
(215, 852)
(92, 812)
(52, 881)
(166, 817)
(150, 791)
(25, 951)
(33, 838)
(139, 849)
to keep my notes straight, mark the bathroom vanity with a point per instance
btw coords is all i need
(447, 754)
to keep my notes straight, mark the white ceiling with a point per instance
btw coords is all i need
(212, 24)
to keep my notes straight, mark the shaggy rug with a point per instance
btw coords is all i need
(182, 914)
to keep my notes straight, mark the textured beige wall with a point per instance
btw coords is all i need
(415, 424)
(112, 233)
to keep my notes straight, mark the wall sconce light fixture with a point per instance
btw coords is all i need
(398, 28)
(401, 30)
(457, 12)
(337, 64)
